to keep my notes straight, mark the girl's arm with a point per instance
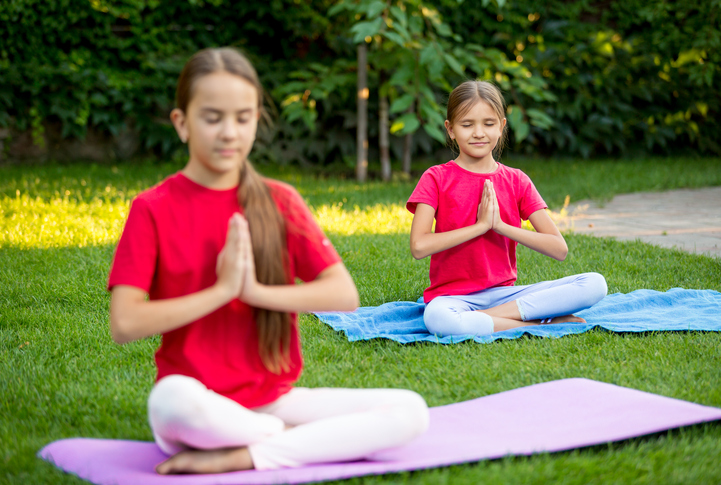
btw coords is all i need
(425, 242)
(132, 317)
(546, 240)
(332, 290)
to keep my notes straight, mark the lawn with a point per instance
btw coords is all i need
(62, 376)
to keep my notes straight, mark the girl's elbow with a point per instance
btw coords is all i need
(351, 302)
(562, 251)
(345, 301)
(346, 298)
(417, 251)
(119, 337)
(119, 330)
(354, 302)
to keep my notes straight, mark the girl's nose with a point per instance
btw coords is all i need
(228, 129)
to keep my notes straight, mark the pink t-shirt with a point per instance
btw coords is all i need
(169, 248)
(485, 261)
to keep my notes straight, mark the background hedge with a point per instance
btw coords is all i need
(608, 77)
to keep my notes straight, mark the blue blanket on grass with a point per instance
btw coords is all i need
(639, 311)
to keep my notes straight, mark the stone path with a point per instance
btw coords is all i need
(689, 219)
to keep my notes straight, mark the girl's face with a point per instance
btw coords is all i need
(477, 133)
(219, 125)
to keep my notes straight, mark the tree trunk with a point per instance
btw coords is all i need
(407, 146)
(407, 143)
(361, 169)
(384, 131)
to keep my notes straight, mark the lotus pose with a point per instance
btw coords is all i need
(208, 258)
(478, 205)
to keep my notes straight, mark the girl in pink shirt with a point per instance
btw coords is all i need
(208, 258)
(478, 205)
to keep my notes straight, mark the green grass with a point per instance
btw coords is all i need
(62, 376)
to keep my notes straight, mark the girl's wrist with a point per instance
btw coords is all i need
(225, 293)
(483, 227)
(500, 228)
(253, 294)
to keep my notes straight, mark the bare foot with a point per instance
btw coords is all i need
(563, 319)
(207, 461)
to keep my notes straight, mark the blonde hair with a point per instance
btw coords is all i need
(465, 96)
(267, 226)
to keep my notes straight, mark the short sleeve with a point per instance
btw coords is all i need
(136, 255)
(309, 250)
(530, 200)
(426, 192)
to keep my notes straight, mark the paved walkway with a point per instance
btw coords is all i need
(688, 219)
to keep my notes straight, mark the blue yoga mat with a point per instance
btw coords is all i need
(640, 311)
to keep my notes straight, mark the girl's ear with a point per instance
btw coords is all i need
(177, 116)
(449, 129)
(503, 123)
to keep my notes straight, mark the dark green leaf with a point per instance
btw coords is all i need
(394, 37)
(453, 64)
(402, 103)
(337, 8)
(375, 8)
(443, 29)
(366, 29)
(435, 133)
(408, 123)
(514, 115)
(539, 118)
(521, 131)
(399, 15)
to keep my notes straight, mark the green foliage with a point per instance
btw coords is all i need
(580, 78)
(113, 66)
(422, 58)
(631, 77)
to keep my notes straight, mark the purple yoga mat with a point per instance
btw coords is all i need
(553, 416)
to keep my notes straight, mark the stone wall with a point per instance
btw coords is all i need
(16, 146)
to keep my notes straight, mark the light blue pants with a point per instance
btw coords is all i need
(456, 315)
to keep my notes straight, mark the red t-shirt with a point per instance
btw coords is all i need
(485, 261)
(169, 248)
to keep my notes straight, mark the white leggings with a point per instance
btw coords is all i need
(457, 315)
(330, 425)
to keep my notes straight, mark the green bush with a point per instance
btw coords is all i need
(624, 78)
(113, 65)
(631, 77)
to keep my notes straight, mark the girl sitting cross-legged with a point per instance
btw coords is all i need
(208, 258)
(478, 205)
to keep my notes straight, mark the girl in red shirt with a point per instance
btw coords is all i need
(208, 258)
(478, 205)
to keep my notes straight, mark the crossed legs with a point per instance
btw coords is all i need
(501, 308)
(209, 433)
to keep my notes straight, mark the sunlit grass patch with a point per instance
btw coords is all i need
(27, 222)
(377, 219)
(70, 221)
(54, 206)
(560, 218)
